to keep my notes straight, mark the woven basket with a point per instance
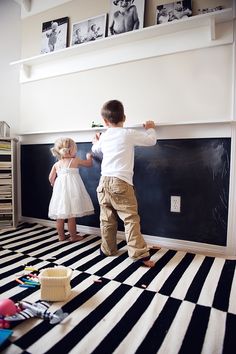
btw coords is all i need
(55, 283)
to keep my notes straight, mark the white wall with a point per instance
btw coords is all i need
(189, 86)
(10, 39)
(186, 86)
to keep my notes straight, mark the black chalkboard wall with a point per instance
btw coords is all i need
(195, 169)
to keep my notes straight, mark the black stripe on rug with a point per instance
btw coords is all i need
(157, 333)
(195, 334)
(62, 245)
(149, 276)
(173, 279)
(196, 286)
(30, 238)
(126, 323)
(229, 340)
(222, 293)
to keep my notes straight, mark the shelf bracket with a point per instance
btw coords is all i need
(212, 28)
(27, 5)
(26, 70)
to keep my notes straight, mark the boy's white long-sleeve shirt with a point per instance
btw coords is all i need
(117, 147)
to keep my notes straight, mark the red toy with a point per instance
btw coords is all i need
(7, 308)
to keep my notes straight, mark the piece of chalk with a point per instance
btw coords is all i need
(30, 269)
(26, 286)
(25, 279)
(31, 283)
(19, 281)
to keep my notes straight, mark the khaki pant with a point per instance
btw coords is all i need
(116, 197)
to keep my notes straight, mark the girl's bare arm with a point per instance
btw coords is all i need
(85, 163)
(52, 175)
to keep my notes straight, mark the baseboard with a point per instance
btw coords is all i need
(152, 241)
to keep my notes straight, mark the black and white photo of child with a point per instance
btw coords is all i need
(88, 30)
(79, 32)
(125, 16)
(96, 28)
(54, 35)
(173, 11)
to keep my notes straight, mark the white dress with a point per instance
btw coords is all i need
(69, 197)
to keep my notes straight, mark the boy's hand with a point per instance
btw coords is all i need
(149, 124)
(89, 156)
(96, 138)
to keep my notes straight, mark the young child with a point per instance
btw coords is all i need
(115, 191)
(180, 12)
(162, 14)
(52, 36)
(78, 38)
(126, 18)
(69, 197)
(93, 33)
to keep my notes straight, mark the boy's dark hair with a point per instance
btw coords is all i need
(113, 111)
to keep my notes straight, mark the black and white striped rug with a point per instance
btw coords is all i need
(186, 304)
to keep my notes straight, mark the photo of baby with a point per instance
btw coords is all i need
(88, 30)
(54, 35)
(125, 15)
(173, 11)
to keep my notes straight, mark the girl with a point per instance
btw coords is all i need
(69, 197)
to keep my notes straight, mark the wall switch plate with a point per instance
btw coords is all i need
(175, 203)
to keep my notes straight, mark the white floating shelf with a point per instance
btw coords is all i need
(134, 126)
(187, 34)
(165, 130)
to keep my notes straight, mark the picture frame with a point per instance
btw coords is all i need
(125, 16)
(173, 11)
(91, 29)
(54, 35)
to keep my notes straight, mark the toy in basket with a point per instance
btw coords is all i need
(55, 283)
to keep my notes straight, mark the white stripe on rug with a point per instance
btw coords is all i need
(175, 335)
(56, 333)
(141, 328)
(187, 278)
(232, 298)
(208, 290)
(214, 337)
(161, 277)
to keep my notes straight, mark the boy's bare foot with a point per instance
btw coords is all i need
(149, 263)
(76, 238)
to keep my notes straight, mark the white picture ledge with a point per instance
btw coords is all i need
(196, 32)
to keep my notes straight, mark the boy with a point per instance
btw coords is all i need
(115, 191)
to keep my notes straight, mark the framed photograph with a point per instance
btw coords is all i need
(173, 11)
(125, 16)
(88, 30)
(54, 35)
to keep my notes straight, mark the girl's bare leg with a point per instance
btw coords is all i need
(72, 230)
(60, 229)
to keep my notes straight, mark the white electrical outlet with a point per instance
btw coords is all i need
(175, 203)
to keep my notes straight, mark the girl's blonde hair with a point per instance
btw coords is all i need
(62, 147)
